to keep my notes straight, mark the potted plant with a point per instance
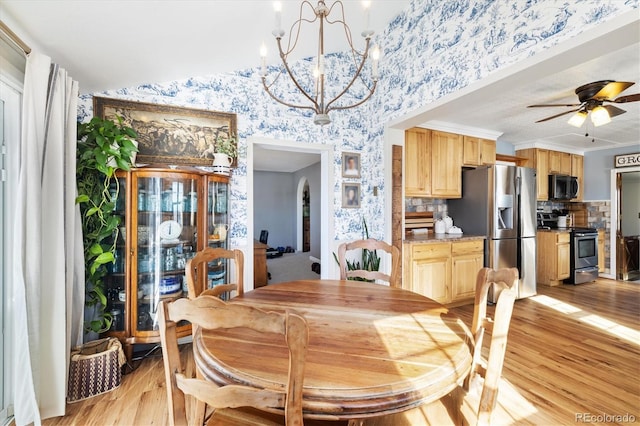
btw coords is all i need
(104, 147)
(225, 151)
(370, 261)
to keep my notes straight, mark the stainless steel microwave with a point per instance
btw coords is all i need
(563, 187)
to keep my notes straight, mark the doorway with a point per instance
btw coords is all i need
(625, 223)
(628, 232)
(257, 149)
(304, 213)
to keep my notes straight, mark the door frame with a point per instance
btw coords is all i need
(615, 208)
(327, 230)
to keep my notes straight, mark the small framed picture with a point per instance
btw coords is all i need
(351, 195)
(350, 164)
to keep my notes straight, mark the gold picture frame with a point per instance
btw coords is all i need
(170, 134)
(351, 195)
(350, 165)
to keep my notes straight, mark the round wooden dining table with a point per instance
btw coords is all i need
(373, 350)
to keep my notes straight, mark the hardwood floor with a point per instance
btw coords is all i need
(572, 351)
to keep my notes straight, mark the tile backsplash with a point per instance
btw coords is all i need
(417, 204)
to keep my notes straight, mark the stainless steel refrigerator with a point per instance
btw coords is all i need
(500, 202)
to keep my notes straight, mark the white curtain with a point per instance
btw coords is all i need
(48, 273)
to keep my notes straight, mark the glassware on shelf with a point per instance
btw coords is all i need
(142, 200)
(192, 202)
(167, 200)
(117, 323)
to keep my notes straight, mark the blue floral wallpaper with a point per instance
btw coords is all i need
(430, 50)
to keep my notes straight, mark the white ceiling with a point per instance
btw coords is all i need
(269, 158)
(111, 44)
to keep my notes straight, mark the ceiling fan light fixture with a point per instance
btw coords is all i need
(578, 118)
(600, 116)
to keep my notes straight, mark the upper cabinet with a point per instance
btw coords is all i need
(547, 162)
(433, 163)
(417, 164)
(559, 163)
(446, 165)
(478, 152)
(577, 170)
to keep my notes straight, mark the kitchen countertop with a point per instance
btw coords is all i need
(432, 237)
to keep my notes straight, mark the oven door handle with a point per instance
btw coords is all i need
(582, 234)
(587, 269)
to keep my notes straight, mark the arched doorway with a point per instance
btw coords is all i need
(304, 215)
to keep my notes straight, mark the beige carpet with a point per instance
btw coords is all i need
(291, 266)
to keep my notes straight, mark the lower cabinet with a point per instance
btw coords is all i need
(443, 271)
(467, 258)
(554, 257)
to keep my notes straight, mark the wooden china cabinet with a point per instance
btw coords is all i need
(167, 215)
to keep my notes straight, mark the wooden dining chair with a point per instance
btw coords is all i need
(368, 246)
(462, 405)
(209, 312)
(200, 263)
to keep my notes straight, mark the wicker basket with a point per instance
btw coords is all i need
(95, 368)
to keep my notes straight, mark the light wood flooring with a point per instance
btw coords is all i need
(572, 351)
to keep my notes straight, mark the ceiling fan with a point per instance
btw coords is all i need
(592, 97)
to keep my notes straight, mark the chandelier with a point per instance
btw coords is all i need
(314, 92)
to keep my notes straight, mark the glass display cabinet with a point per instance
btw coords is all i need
(167, 215)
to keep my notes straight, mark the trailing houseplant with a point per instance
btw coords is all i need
(369, 261)
(104, 147)
(226, 145)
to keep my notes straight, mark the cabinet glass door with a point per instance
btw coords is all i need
(167, 212)
(218, 230)
(115, 283)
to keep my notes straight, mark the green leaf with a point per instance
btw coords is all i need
(92, 211)
(96, 249)
(104, 258)
(82, 198)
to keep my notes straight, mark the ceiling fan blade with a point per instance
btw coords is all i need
(558, 115)
(613, 110)
(612, 90)
(552, 105)
(628, 98)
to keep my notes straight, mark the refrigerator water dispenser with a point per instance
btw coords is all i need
(504, 207)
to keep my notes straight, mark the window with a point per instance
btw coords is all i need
(12, 68)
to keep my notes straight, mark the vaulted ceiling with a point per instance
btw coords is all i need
(109, 44)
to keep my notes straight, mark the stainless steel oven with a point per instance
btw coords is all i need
(584, 255)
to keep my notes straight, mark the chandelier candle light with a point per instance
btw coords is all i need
(317, 97)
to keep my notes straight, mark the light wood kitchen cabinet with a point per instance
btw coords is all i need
(445, 272)
(478, 151)
(601, 256)
(577, 170)
(417, 164)
(554, 253)
(467, 258)
(446, 165)
(559, 163)
(539, 160)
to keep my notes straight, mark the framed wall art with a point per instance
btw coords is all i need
(170, 134)
(351, 195)
(350, 164)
